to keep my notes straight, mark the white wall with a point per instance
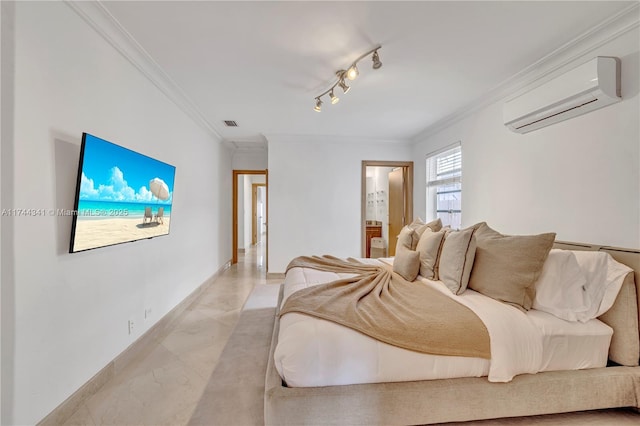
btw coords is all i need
(579, 178)
(249, 160)
(71, 310)
(241, 211)
(246, 160)
(245, 200)
(249, 180)
(382, 211)
(6, 235)
(315, 195)
(262, 211)
(246, 220)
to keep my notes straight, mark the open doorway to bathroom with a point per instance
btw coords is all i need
(387, 205)
(250, 218)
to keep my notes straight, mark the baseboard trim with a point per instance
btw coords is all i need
(64, 411)
(274, 275)
(143, 344)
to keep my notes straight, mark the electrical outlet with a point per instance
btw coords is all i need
(131, 324)
(147, 313)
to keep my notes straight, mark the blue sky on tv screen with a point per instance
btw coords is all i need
(113, 173)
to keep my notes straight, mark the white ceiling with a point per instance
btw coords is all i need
(263, 63)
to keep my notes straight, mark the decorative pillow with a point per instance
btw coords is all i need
(561, 288)
(410, 234)
(417, 223)
(407, 264)
(507, 266)
(456, 259)
(429, 247)
(434, 225)
(407, 239)
(419, 226)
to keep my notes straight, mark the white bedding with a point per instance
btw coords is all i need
(314, 352)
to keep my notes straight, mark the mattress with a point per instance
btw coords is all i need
(571, 345)
(314, 352)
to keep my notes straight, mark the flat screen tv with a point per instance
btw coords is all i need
(121, 196)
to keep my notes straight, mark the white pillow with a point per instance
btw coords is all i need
(561, 288)
(578, 285)
(604, 277)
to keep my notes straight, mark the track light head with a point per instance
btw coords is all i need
(318, 107)
(376, 60)
(352, 72)
(343, 86)
(334, 98)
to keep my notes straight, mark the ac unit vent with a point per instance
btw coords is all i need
(557, 113)
(230, 123)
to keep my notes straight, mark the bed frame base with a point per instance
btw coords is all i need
(450, 400)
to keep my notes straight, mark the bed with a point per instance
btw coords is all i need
(383, 384)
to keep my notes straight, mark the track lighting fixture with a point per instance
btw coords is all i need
(351, 74)
(334, 98)
(376, 60)
(344, 87)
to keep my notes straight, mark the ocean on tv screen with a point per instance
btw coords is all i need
(122, 196)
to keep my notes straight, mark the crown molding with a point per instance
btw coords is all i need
(239, 147)
(254, 144)
(326, 138)
(610, 29)
(101, 20)
(229, 144)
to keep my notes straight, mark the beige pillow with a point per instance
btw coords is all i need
(435, 225)
(429, 246)
(410, 234)
(407, 239)
(407, 264)
(507, 266)
(456, 259)
(417, 223)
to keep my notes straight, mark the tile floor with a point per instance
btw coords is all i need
(165, 384)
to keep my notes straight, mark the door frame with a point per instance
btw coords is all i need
(234, 203)
(408, 184)
(254, 211)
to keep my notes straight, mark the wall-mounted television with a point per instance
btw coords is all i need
(121, 196)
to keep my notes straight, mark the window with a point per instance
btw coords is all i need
(444, 186)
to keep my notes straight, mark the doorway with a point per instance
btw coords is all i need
(250, 211)
(258, 210)
(387, 205)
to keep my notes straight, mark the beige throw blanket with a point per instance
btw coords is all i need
(381, 304)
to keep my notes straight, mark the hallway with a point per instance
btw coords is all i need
(165, 383)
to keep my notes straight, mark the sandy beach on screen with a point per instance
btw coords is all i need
(101, 232)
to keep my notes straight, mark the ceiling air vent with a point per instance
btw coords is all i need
(230, 123)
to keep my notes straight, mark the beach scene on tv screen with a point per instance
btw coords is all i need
(123, 196)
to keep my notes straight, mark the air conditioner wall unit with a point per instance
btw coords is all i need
(590, 86)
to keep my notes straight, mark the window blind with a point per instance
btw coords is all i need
(444, 185)
(445, 168)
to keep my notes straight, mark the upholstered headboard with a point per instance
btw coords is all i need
(623, 316)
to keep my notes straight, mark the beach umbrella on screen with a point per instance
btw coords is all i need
(159, 188)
